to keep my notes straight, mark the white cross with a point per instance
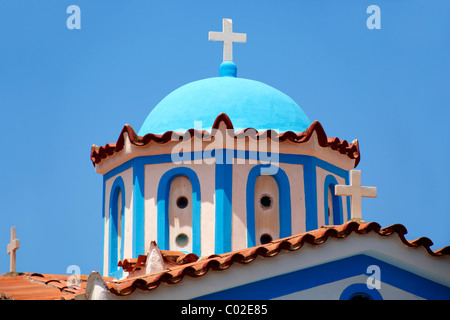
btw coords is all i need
(228, 37)
(11, 249)
(356, 192)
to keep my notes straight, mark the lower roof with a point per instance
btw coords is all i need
(36, 286)
(200, 267)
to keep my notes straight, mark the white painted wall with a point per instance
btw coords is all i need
(206, 174)
(267, 219)
(298, 206)
(239, 211)
(180, 219)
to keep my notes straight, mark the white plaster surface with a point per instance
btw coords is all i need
(180, 219)
(267, 219)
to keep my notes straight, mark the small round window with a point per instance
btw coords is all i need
(182, 240)
(182, 202)
(266, 201)
(265, 238)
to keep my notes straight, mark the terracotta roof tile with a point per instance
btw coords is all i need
(198, 268)
(133, 264)
(172, 258)
(342, 146)
(36, 286)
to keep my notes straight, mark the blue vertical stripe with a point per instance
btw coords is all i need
(329, 184)
(138, 208)
(310, 181)
(224, 184)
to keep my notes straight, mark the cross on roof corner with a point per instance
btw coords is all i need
(227, 37)
(356, 192)
(11, 250)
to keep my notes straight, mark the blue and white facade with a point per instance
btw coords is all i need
(196, 179)
(236, 192)
(360, 265)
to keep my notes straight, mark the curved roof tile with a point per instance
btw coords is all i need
(342, 146)
(224, 261)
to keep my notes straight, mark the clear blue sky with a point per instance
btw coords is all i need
(63, 90)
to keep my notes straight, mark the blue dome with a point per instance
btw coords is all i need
(248, 104)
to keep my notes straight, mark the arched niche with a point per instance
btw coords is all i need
(163, 204)
(180, 214)
(267, 210)
(284, 211)
(116, 225)
(333, 203)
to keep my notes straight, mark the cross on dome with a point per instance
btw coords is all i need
(227, 37)
(356, 192)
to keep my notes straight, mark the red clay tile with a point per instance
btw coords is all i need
(33, 286)
(47, 286)
(342, 146)
(198, 268)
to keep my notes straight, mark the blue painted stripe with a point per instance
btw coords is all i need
(290, 159)
(155, 159)
(330, 167)
(311, 277)
(138, 209)
(239, 154)
(223, 197)
(304, 159)
(310, 186)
